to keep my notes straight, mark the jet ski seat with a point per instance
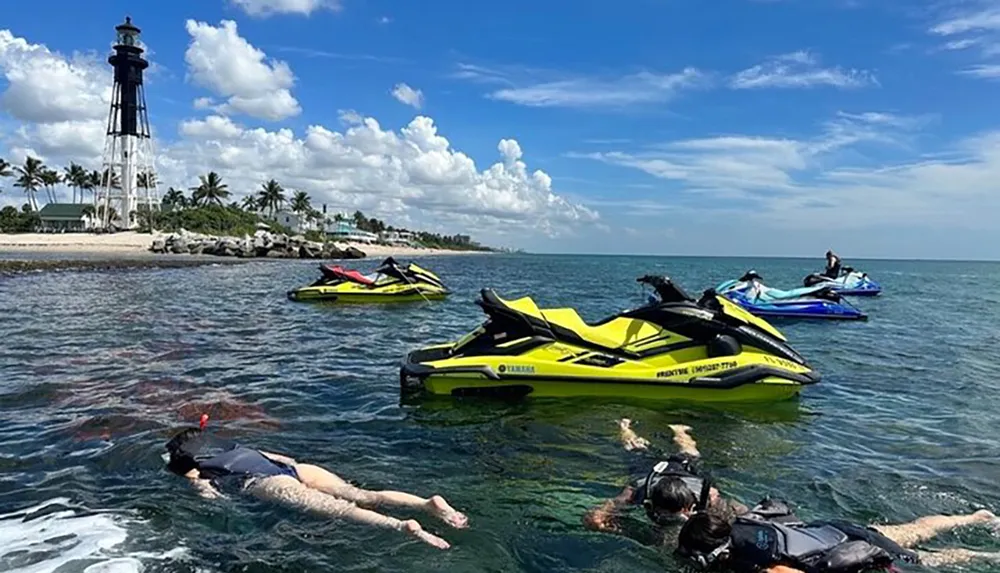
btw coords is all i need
(613, 334)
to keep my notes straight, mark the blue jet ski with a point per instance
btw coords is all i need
(849, 283)
(750, 292)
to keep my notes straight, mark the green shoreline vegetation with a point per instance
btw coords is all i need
(205, 211)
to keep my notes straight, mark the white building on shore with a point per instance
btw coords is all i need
(348, 232)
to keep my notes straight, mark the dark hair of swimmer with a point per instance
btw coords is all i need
(704, 531)
(179, 463)
(672, 495)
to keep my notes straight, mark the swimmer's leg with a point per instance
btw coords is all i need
(327, 482)
(955, 556)
(915, 532)
(630, 440)
(290, 492)
(684, 441)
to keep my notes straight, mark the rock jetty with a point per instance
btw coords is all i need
(263, 243)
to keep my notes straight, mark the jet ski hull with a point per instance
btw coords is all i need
(810, 310)
(332, 294)
(744, 384)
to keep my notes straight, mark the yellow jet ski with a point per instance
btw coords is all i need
(671, 349)
(390, 282)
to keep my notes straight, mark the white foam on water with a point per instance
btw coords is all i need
(67, 541)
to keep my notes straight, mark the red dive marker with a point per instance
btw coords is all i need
(203, 422)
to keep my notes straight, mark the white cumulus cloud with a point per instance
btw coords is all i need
(264, 8)
(220, 60)
(407, 95)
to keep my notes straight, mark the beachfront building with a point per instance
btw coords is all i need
(65, 217)
(298, 223)
(405, 238)
(348, 232)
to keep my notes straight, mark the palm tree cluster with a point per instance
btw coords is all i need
(34, 176)
(268, 200)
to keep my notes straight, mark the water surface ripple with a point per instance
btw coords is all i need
(100, 367)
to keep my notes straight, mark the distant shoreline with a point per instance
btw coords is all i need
(114, 245)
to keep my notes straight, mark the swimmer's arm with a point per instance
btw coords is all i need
(279, 458)
(602, 517)
(203, 486)
(629, 439)
(684, 441)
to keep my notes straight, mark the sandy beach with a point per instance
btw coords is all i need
(131, 243)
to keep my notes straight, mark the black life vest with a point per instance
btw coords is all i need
(770, 534)
(678, 466)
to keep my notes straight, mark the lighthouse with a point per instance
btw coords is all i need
(128, 182)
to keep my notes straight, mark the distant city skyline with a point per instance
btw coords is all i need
(752, 128)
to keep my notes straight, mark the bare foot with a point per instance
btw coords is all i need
(636, 443)
(447, 513)
(984, 516)
(414, 528)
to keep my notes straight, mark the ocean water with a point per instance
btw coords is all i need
(99, 368)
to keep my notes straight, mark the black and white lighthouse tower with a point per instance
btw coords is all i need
(129, 182)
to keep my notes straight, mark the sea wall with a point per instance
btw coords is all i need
(261, 244)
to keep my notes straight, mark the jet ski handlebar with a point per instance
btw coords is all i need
(665, 288)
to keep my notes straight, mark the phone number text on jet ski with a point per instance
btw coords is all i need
(701, 369)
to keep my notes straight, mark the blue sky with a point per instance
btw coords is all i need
(751, 127)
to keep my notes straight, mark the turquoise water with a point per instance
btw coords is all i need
(100, 367)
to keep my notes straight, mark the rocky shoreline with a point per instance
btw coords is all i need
(13, 267)
(263, 244)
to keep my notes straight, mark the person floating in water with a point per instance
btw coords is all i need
(769, 538)
(832, 265)
(668, 492)
(213, 464)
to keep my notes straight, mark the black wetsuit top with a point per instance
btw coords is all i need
(226, 463)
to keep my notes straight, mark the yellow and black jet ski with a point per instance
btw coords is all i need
(672, 349)
(390, 282)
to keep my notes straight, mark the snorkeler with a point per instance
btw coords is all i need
(772, 539)
(668, 492)
(213, 463)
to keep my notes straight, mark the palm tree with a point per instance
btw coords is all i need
(211, 189)
(271, 196)
(30, 179)
(5, 169)
(249, 203)
(116, 180)
(301, 203)
(74, 176)
(174, 198)
(51, 178)
(145, 180)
